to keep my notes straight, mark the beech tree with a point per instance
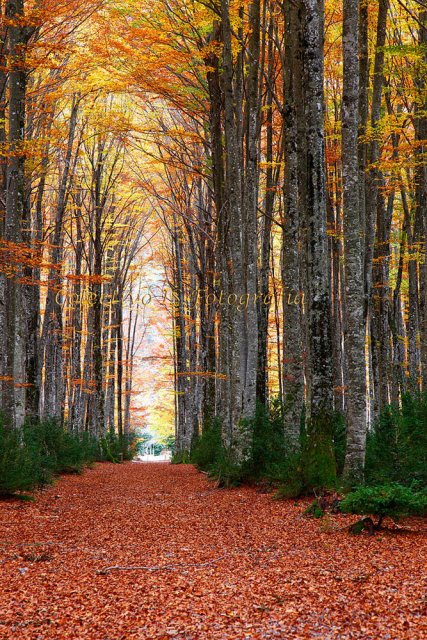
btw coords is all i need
(353, 235)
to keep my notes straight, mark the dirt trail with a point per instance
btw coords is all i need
(219, 565)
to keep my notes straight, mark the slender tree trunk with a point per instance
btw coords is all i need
(3, 170)
(421, 187)
(232, 323)
(293, 372)
(375, 211)
(52, 331)
(355, 325)
(75, 418)
(250, 203)
(15, 203)
(398, 330)
(120, 363)
(412, 321)
(318, 296)
(98, 417)
(185, 435)
(363, 108)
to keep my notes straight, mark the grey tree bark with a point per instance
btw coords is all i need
(232, 323)
(250, 204)
(52, 335)
(318, 281)
(293, 368)
(354, 292)
(75, 417)
(3, 167)
(421, 187)
(13, 396)
(320, 463)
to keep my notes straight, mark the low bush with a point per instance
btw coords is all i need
(55, 450)
(396, 451)
(210, 455)
(389, 500)
(181, 457)
(17, 468)
(397, 445)
(226, 470)
(271, 458)
(269, 451)
(314, 510)
(289, 475)
(208, 449)
(116, 448)
(30, 457)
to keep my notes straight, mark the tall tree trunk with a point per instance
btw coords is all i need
(421, 186)
(293, 372)
(14, 212)
(52, 334)
(355, 325)
(185, 424)
(3, 169)
(97, 417)
(120, 362)
(75, 417)
(249, 219)
(373, 194)
(363, 108)
(318, 281)
(32, 236)
(232, 322)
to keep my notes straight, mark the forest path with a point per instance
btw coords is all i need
(237, 565)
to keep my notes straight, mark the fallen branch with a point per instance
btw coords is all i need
(167, 567)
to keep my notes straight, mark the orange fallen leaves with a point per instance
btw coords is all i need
(210, 564)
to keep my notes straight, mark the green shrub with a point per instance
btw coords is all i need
(55, 449)
(115, 448)
(30, 457)
(397, 445)
(16, 465)
(181, 457)
(289, 474)
(226, 470)
(208, 448)
(389, 500)
(312, 467)
(314, 510)
(318, 455)
(268, 442)
(169, 443)
(209, 454)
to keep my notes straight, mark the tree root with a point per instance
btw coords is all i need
(366, 523)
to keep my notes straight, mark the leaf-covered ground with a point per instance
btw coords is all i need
(219, 564)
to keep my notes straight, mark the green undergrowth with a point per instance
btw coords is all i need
(396, 456)
(396, 448)
(391, 500)
(31, 457)
(312, 466)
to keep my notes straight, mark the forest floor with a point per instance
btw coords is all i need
(213, 564)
